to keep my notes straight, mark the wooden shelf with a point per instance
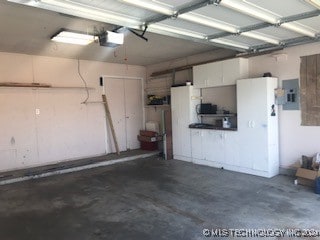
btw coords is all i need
(157, 106)
(37, 86)
(47, 88)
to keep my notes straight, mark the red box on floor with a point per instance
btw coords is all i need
(150, 146)
(148, 133)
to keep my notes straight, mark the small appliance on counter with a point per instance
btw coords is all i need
(226, 122)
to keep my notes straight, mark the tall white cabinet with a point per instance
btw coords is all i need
(183, 106)
(257, 126)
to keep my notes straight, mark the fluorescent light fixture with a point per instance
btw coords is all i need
(65, 36)
(315, 3)
(249, 10)
(79, 9)
(203, 20)
(200, 19)
(227, 42)
(261, 37)
(264, 15)
(299, 29)
(151, 5)
(178, 31)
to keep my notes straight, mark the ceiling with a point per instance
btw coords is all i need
(174, 29)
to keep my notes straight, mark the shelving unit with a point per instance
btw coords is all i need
(159, 105)
(232, 116)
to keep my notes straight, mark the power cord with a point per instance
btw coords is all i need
(84, 82)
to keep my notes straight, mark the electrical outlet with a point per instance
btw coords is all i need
(37, 111)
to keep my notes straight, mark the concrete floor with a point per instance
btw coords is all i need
(152, 199)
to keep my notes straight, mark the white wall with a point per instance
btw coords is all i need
(65, 129)
(295, 139)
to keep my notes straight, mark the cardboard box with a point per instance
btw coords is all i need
(148, 133)
(307, 177)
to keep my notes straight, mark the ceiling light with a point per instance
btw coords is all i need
(151, 5)
(315, 3)
(260, 37)
(75, 8)
(203, 20)
(249, 10)
(230, 43)
(174, 30)
(73, 37)
(264, 15)
(299, 29)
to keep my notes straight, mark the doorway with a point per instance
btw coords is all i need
(125, 99)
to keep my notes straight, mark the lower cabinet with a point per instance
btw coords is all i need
(214, 148)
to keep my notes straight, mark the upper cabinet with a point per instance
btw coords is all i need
(220, 73)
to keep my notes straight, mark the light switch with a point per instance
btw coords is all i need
(37, 111)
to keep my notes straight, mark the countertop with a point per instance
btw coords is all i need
(212, 127)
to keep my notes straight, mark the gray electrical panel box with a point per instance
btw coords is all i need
(292, 95)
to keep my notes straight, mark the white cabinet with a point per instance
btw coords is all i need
(220, 73)
(257, 127)
(183, 106)
(253, 148)
(214, 147)
(200, 75)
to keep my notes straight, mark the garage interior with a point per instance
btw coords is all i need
(166, 120)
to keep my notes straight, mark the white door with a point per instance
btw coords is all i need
(133, 111)
(124, 97)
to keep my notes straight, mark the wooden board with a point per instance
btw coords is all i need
(15, 84)
(310, 90)
(106, 107)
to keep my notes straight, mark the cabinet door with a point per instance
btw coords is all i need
(176, 128)
(196, 144)
(214, 74)
(214, 146)
(259, 125)
(232, 149)
(252, 123)
(200, 76)
(234, 69)
(180, 104)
